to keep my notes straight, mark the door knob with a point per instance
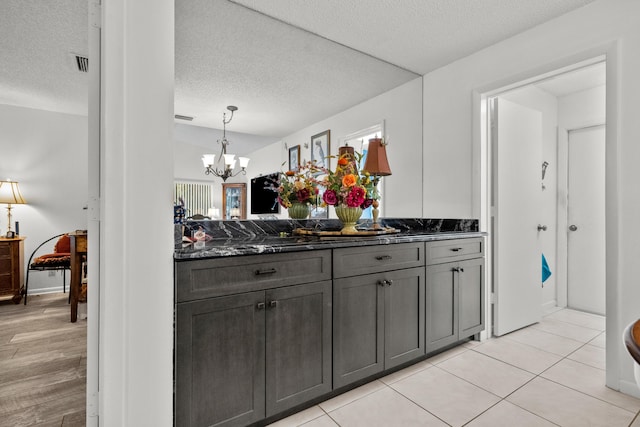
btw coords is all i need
(542, 227)
(573, 227)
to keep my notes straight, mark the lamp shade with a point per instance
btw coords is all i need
(377, 163)
(10, 193)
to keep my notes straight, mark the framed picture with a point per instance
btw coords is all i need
(294, 158)
(321, 148)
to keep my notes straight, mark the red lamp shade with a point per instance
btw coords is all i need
(377, 163)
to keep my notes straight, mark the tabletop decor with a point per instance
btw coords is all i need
(347, 189)
(297, 191)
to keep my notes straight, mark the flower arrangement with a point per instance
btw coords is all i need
(296, 187)
(346, 186)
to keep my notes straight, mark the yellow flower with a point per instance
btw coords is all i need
(349, 180)
(299, 185)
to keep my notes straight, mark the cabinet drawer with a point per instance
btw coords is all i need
(5, 250)
(374, 259)
(454, 250)
(231, 275)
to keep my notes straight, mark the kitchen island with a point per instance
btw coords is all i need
(269, 322)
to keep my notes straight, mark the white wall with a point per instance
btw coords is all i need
(603, 27)
(46, 153)
(547, 104)
(401, 111)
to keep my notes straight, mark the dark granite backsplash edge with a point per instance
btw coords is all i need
(247, 229)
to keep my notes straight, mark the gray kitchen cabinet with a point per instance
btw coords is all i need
(244, 357)
(220, 361)
(298, 345)
(455, 291)
(378, 323)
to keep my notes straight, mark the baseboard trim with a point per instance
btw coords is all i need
(630, 388)
(549, 307)
(42, 291)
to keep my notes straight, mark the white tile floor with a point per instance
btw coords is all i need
(549, 374)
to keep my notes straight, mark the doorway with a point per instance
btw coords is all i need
(540, 214)
(585, 213)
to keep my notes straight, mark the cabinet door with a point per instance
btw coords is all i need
(471, 290)
(403, 315)
(442, 306)
(358, 328)
(298, 344)
(220, 361)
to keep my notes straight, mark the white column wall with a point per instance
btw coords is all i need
(136, 268)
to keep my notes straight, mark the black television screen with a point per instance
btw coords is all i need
(264, 198)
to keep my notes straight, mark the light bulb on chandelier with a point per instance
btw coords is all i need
(208, 160)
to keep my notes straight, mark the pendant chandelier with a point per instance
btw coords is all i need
(226, 170)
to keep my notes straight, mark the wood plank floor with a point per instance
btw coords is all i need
(43, 360)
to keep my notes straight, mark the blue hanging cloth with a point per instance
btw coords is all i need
(546, 271)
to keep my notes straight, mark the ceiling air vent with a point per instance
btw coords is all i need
(180, 117)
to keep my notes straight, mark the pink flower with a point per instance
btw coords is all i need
(303, 195)
(366, 203)
(330, 197)
(355, 198)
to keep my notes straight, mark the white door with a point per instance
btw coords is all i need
(517, 181)
(586, 220)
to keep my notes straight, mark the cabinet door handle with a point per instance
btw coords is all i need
(260, 306)
(456, 249)
(383, 257)
(265, 271)
(389, 282)
(273, 303)
(381, 282)
(458, 269)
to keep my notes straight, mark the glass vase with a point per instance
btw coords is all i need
(349, 217)
(299, 211)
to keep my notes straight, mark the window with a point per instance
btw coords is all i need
(197, 197)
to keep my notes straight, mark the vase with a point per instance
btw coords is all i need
(349, 217)
(299, 211)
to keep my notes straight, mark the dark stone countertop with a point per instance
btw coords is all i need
(251, 237)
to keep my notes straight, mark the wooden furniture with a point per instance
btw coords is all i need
(247, 345)
(234, 196)
(455, 291)
(78, 254)
(258, 336)
(378, 318)
(11, 268)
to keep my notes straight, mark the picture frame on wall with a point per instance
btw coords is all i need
(321, 149)
(294, 158)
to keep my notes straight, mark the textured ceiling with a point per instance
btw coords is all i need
(419, 35)
(36, 68)
(285, 63)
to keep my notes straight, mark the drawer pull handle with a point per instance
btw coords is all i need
(456, 249)
(273, 303)
(266, 271)
(383, 257)
(260, 306)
